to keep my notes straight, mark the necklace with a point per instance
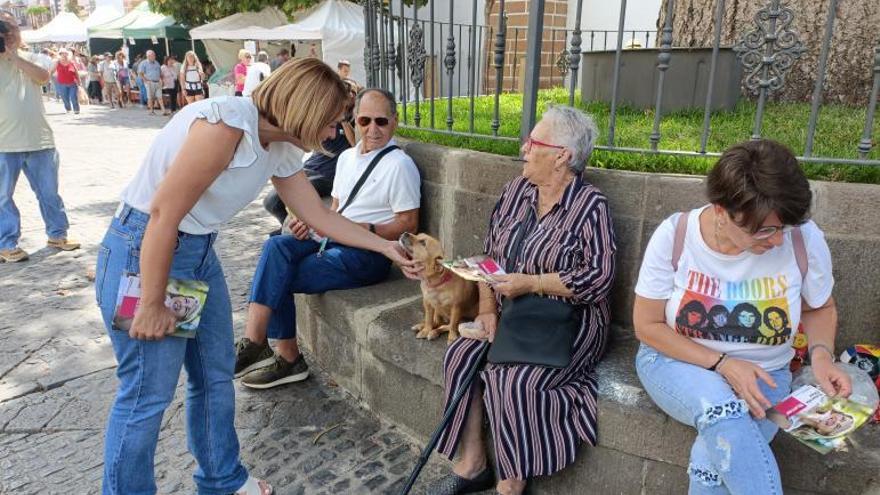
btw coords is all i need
(717, 227)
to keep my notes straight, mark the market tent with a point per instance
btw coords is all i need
(113, 29)
(152, 25)
(218, 35)
(102, 15)
(64, 28)
(339, 25)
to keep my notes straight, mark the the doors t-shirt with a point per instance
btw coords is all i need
(746, 305)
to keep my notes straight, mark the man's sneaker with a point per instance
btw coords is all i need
(250, 356)
(278, 373)
(63, 244)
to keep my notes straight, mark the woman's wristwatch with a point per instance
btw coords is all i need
(372, 227)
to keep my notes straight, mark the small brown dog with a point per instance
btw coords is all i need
(446, 297)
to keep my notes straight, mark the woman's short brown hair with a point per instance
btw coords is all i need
(756, 178)
(302, 97)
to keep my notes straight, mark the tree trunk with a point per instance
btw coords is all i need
(848, 77)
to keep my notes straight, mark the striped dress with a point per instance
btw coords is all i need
(538, 415)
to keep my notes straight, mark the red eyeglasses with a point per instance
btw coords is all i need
(529, 141)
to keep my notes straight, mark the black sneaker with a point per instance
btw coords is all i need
(278, 373)
(453, 484)
(250, 356)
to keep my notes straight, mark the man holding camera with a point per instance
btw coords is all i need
(26, 145)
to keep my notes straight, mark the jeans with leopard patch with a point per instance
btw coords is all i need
(731, 453)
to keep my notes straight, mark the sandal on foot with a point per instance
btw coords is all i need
(13, 255)
(254, 486)
(63, 244)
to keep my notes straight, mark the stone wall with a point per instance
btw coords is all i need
(461, 186)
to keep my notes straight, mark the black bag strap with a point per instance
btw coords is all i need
(516, 248)
(367, 172)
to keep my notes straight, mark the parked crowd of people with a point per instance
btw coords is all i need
(551, 229)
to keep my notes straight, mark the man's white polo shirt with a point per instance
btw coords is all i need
(393, 186)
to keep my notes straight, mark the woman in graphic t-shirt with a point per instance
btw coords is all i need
(720, 289)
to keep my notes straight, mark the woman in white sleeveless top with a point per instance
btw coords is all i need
(210, 161)
(192, 78)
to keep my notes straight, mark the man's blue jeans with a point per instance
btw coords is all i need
(41, 169)
(69, 95)
(289, 266)
(731, 453)
(148, 371)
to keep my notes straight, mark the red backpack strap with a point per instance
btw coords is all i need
(681, 227)
(800, 251)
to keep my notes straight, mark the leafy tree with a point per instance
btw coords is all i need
(72, 6)
(197, 13)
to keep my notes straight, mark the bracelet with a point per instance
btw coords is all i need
(717, 363)
(823, 346)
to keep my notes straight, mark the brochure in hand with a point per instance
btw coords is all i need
(479, 268)
(820, 421)
(186, 298)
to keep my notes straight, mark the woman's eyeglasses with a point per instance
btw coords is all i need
(365, 121)
(529, 141)
(769, 231)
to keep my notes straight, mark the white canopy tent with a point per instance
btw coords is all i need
(337, 24)
(64, 28)
(218, 36)
(102, 15)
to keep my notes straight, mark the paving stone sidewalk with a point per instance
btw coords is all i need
(57, 368)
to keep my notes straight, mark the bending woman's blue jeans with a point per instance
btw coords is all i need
(289, 266)
(148, 371)
(731, 453)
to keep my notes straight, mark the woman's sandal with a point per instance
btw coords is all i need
(254, 486)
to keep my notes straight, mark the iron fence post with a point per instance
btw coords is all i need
(716, 44)
(534, 39)
(820, 77)
(575, 60)
(615, 79)
(450, 66)
(866, 143)
(500, 41)
(663, 59)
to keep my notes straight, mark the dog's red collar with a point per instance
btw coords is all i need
(447, 276)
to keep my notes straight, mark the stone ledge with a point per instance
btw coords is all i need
(363, 338)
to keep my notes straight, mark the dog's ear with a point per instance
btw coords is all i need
(433, 266)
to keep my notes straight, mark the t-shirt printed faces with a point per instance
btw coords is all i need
(745, 305)
(754, 311)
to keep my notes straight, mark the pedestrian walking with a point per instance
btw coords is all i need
(94, 88)
(68, 81)
(169, 88)
(123, 78)
(26, 145)
(109, 75)
(192, 77)
(256, 73)
(240, 70)
(150, 70)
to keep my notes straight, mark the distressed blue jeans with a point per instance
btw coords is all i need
(41, 169)
(148, 371)
(731, 453)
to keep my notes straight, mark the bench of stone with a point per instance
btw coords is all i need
(363, 337)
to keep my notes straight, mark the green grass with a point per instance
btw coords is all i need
(838, 132)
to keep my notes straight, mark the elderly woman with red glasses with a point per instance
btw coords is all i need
(551, 231)
(751, 251)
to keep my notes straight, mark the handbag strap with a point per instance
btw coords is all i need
(516, 248)
(797, 241)
(363, 178)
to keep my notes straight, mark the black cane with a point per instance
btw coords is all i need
(450, 410)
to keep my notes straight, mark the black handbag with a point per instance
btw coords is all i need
(533, 329)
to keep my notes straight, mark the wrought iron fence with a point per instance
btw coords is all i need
(406, 55)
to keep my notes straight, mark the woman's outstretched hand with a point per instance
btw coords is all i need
(399, 256)
(743, 378)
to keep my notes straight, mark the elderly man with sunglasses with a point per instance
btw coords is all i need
(376, 185)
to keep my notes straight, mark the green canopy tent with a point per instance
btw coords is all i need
(143, 29)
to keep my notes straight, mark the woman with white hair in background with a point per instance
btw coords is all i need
(551, 231)
(257, 72)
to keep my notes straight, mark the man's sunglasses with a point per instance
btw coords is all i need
(365, 121)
